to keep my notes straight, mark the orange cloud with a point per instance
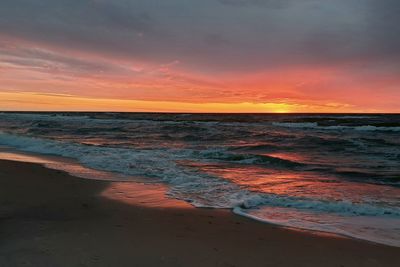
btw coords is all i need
(106, 83)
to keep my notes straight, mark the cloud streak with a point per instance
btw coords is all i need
(227, 50)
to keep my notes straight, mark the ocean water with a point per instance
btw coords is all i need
(324, 172)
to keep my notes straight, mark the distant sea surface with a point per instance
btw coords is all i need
(321, 172)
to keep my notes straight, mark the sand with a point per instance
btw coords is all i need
(49, 218)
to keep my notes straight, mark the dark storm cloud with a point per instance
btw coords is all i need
(88, 25)
(384, 27)
(213, 35)
(259, 3)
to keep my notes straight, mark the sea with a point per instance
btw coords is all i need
(325, 173)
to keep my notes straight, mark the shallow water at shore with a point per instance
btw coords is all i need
(49, 218)
(341, 171)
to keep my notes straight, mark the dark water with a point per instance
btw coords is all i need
(336, 173)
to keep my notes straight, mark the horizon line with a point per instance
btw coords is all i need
(208, 113)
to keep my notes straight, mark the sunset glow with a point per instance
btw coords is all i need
(27, 101)
(200, 133)
(281, 58)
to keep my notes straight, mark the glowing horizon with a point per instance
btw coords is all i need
(43, 102)
(285, 56)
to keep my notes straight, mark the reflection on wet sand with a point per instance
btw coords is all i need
(138, 194)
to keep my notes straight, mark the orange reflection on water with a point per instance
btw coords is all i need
(139, 194)
(267, 181)
(291, 156)
(295, 183)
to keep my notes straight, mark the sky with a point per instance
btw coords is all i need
(200, 56)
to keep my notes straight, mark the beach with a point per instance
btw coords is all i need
(315, 172)
(49, 218)
(199, 133)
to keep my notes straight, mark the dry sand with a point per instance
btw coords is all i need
(49, 218)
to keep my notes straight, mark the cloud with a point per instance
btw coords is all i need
(383, 26)
(43, 60)
(218, 44)
(211, 36)
(283, 33)
(258, 3)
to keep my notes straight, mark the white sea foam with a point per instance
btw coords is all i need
(198, 188)
(296, 124)
(204, 189)
(314, 125)
(374, 229)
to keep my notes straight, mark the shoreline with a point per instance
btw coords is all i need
(50, 218)
(159, 190)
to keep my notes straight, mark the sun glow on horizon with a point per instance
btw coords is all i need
(50, 82)
(222, 56)
(33, 101)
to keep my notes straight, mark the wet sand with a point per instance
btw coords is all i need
(49, 218)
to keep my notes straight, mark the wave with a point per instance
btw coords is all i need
(384, 178)
(315, 125)
(369, 128)
(201, 123)
(245, 158)
(296, 124)
(373, 229)
(254, 148)
(46, 116)
(200, 189)
(342, 207)
(360, 153)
